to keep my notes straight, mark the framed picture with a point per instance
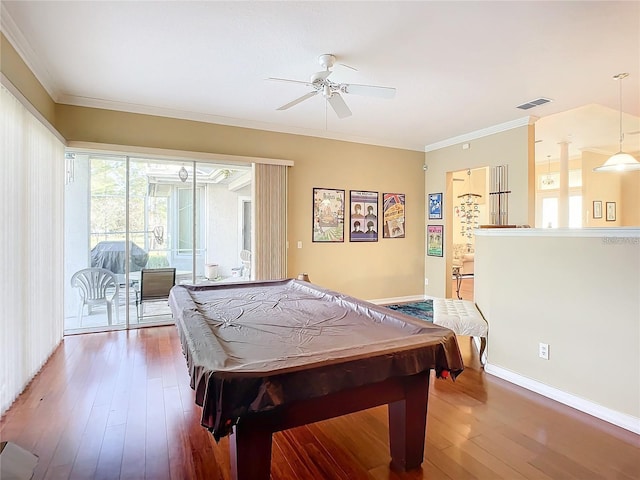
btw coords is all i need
(363, 220)
(435, 206)
(435, 234)
(328, 215)
(393, 215)
(611, 211)
(597, 209)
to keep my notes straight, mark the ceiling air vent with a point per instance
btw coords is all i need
(534, 103)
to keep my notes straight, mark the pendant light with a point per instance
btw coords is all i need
(548, 180)
(620, 162)
(183, 174)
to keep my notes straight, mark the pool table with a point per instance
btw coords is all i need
(267, 356)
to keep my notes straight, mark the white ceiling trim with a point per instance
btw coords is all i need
(484, 132)
(28, 55)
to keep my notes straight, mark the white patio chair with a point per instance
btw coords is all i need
(245, 258)
(96, 286)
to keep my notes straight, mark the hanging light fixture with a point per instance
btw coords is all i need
(620, 162)
(469, 211)
(183, 174)
(548, 179)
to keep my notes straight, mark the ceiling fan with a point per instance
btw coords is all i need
(332, 91)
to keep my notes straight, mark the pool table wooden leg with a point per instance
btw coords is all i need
(250, 450)
(407, 424)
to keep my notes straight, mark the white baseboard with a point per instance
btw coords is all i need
(394, 300)
(622, 420)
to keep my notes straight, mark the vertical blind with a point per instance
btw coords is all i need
(270, 221)
(31, 246)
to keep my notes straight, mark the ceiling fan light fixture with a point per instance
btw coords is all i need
(620, 162)
(333, 91)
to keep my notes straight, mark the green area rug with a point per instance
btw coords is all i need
(422, 310)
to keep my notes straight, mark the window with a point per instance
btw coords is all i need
(185, 217)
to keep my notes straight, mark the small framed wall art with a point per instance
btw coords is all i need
(435, 206)
(328, 215)
(393, 215)
(364, 216)
(435, 234)
(611, 211)
(597, 209)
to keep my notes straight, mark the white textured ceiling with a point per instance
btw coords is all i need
(458, 67)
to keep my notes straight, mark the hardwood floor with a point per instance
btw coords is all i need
(118, 405)
(466, 289)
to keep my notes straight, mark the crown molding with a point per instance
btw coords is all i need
(19, 42)
(220, 120)
(485, 132)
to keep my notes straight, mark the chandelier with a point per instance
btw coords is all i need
(469, 213)
(548, 179)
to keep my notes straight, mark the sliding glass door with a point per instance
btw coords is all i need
(135, 226)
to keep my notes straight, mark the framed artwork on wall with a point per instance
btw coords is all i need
(363, 221)
(435, 206)
(611, 211)
(435, 234)
(597, 209)
(393, 215)
(328, 215)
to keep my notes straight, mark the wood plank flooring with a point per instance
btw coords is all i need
(118, 406)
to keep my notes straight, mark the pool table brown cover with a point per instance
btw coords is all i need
(251, 347)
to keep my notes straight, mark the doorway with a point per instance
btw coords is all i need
(124, 214)
(468, 209)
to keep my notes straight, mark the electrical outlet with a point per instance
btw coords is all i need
(426, 281)
(543, 350)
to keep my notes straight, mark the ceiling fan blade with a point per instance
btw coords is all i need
(339, 106)
(298, 100)
(370, 90)
(289, 81)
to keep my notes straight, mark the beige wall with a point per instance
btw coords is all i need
(513, 148)
(388, 268)
(24, 80)
(583, 300)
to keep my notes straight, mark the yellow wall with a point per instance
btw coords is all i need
(24, 80)
(629, 209)
(621, 188)
(385, 269)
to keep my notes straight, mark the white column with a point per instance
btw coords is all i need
(563, 200)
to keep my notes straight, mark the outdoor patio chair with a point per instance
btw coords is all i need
(155, 284)
(245, 258)
(96, 286)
